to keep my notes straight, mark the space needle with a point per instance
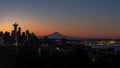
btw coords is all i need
(15, 33)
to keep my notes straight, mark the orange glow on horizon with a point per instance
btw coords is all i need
(43, 29)
(44, 32)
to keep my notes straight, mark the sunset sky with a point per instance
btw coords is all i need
(78, 18)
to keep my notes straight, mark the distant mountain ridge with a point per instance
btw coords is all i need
(57, 35)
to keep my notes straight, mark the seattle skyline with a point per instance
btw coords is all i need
(78, 18)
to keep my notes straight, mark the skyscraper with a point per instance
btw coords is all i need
(19, 31)
(19, 35)
(27, 35)
(1, 37)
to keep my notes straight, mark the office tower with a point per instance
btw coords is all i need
(1, 37)
(27, 35)
(19, 35)
(19, 31)
(23, 36)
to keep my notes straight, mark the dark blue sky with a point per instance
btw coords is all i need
(81, 18)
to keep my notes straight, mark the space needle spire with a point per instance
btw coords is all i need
(15, 33)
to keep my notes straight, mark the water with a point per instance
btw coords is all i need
(115, 47)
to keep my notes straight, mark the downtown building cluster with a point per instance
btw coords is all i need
(16, 37)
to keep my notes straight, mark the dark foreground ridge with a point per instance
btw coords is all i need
(31, 58)
(56, 57)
